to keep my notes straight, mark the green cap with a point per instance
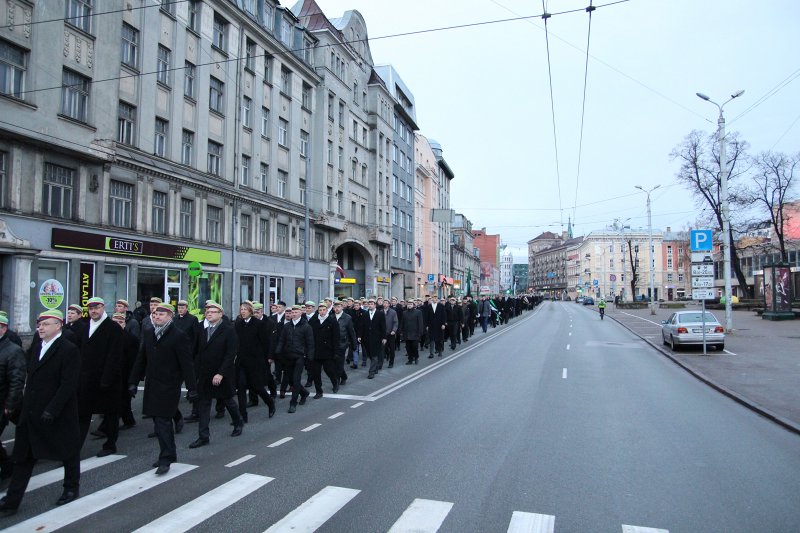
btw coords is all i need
(95, 301)
(51, 313)
(165, 307)
(4, 319)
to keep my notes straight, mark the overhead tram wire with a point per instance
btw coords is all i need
(546, 16)
(583, 107)
(769, 94)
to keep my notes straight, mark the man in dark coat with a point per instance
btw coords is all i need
(75, 322)
(279, 318)
(347, 340)
(455, 318)
(326, 344)
(435, 324)
(392, 331)
(129, 348)
(373, 336)
(12, 382)
(472, 315)
(269, 327)
(357, 314)
(100, 385)
(132, 325)
(48, 426)
(412, 327)
(251, 360)
(165, 362)
(216, 372)
(295, 345)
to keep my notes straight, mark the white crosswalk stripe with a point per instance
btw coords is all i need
(531, 523)
(640, 529)
(57, 474)
(207, 505)
(422, 516)
(315, 511)
(97, 501)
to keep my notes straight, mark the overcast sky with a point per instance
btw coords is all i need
(483, 92)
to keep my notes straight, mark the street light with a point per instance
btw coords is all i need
(723, 192)
(652, 255)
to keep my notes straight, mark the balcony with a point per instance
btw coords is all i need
(331, 222)
(380, 236)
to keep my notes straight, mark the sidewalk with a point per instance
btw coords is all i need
(760, 367)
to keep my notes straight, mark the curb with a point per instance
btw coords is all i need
(742, 400)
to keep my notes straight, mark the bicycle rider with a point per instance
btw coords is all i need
(602, 307)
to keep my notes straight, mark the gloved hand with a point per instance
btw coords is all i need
(47, 417)
(132, 390)
(192, 396)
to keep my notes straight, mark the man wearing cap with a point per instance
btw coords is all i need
(10, 333)
(132, 325)
(347, 340)
(357, 314)
(75, 323)
(269, 333)
(412, 327)
(326, 344)
(295, 345)
(12, 382)
(373, 337)
(165, 362)
(251, 360)
(310, 313)
(392, 331)
(279, 318)
(216, 372)
(455, 319)
(48, 426)
(129, 348)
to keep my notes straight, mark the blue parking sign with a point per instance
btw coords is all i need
(701, 240)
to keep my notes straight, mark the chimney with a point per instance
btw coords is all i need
(669, 229)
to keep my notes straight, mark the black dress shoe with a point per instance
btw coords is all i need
(67, 496)
(430, 356)
(237, 430)
(308, 383)
(304, 398)
(371, 376)
(336, 388)
(409, 362)
(98, 434)
(162, 469)
(272, 410)
(416, 361)
(292, 408)
(391, 365)
(342, 382)
(220, 414)
(191, 418)
(128, 425)
(282, 395)
(6, 509)
(179, 425)
(105, 452)
(244, 417)
(196, 444)
(354, 367)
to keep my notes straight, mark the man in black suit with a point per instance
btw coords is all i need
(12, 382)
(435, 324)
(326, 345)
(165, 360)
(48, 427)
(373, 336)
(295, 346)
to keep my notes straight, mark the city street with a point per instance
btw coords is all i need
(557, 421)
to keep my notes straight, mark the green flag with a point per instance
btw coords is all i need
(469, 282)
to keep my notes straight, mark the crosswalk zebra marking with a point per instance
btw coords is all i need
(239, 461)
(315, 511)
(97, 501)
(310, 428)
(640, 529)
(57, 474)
(422, 516)
(335, 415)
(279, 442)
(531, 523)
(207, 505)
(359, 404)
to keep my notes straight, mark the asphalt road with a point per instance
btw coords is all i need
(572, 420)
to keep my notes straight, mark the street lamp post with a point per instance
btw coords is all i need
(651, 255)
(724, 208)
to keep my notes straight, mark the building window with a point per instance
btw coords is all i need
(340, 203)
(74, 95)
(264, 177)
(159, 212)
(283, 132)
(267, 69)
(245, 178)
(246, 105)
(669, 277)
(394, 247)
(214, 158)
(395, 216)
(219, 32)
(194, 15)
(187, 147)
(263, 234)
(120, 204)
(355, 130)
(12, 69)
(160, 138)
(79, 14)
(330, 106)
(250, 55)
(187, 218)
(341, 159)
(162, 65)
(3, 180)
(244, 226)
(126, 123)
(213, 224)
(363, 174)
(282, 236)
(330, 152)
(283, 177)
(308, 49)
(301, 241)
(130, 45)
(302, 192)
(355, 93)
(265, 122)
(216, 95)
(188, 79)
(341, 114)
(58, 186)
(286, 32)
(168, 6)
(306, 96)
(329, 199)
(303, 143)
(286, 81)
(363, 214)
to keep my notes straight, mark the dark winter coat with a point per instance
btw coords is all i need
(454, 313)
(434, 321)
(216, 355)
(347, 334)
(373, 331)
(253, 345)
(413, 325)
(296, 341)
(326, 337)
(12, 375)
(165, 364)
(52, 386)
(100, 382)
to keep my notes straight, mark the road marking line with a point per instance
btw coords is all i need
(336, 415)
(239, 461)
(567, 346)
(8, 441)
(196, 511)
(349, 397)
(531, 523)
(640, 529)
(570, 334)
(640, 318)
(728, 352)
(564, 374)
(311, 427)
(315, 511)
(279, 442)
(359, 404)
(53, 476)
(97, 501)
(422, 516)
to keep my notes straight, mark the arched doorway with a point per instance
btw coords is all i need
(354, 276)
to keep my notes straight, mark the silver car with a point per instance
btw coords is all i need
(686, 327)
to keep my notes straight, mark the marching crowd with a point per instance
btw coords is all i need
(76, 368)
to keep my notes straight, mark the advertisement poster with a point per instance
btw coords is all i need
(51, 294)
(783, 289)
(87, 285)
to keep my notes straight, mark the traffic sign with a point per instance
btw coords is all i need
(612, 277)
(431, 278)
(194, 269)
(703, 282)
(704, 269)
(702, 257)
(703, 294)
(701, 240)
(595, 283)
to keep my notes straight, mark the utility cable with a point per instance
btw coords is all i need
(583, 105)
(769, 94)
(546, 16)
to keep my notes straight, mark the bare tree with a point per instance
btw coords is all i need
(700, 173)
(634, 267)
(774, 179)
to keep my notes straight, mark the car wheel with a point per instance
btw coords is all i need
(663, 339)
(720, 347)
(672, 345)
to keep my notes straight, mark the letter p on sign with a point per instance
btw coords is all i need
(702, 240)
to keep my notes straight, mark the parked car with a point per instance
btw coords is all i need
(686, 327)
(579, 299)
(588, 300)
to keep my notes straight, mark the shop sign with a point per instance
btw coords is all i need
(381, 279)
(347, 281)
(51, 293)
(194, 269)
(95, 242)
(87, 285)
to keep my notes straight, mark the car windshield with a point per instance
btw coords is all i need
(695, 317)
